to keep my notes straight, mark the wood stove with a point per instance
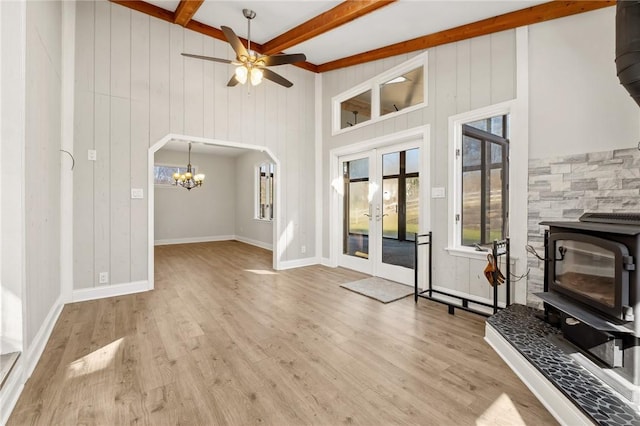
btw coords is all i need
(592, 290)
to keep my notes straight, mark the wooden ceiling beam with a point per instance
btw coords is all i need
(528, 16)
(327, 21)
(185, 11)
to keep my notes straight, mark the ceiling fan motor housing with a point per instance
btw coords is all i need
(248, 13)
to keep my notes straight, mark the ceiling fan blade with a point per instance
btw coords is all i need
(233, 81)
(276, 78)
(208, 58)
(235, 42)
(283, 58)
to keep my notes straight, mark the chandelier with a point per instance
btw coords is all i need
(188, 180)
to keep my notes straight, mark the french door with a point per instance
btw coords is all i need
(381, 211)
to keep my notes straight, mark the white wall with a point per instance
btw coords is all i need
(12, 97)
(462, 76)
(31, 136)
(42, 160)
(248, 228)
(132, 88)
(577, 104)
(205, 213)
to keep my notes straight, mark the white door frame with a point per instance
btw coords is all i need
(277, 249)
(335, 218)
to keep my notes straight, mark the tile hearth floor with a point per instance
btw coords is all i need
(530, 336)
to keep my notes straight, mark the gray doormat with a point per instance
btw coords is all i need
(380, 289)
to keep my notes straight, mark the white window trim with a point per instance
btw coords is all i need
(374, 84)
(256, 193)
(455, 176)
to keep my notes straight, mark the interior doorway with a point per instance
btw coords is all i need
(184, 139)
(380, 206)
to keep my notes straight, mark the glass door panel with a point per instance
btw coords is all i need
(390, 208)
(413, 207)
(400, 206)
(357, 243)
(356, 208)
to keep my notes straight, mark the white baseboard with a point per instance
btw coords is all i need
(11, 390)
(27, 362)
(252, 242)
(325, 261)
(299, 263)
(565, 411)
(101, 292)
(194, 240)
(35, 349)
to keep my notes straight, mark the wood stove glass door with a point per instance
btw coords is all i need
(586, 269)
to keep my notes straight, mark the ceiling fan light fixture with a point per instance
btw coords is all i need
(256, 76)
(241, 74)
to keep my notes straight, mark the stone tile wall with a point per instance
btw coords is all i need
(562, 188)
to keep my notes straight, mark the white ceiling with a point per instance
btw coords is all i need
(399, 21)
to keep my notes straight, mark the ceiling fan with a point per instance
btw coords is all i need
(251, 65)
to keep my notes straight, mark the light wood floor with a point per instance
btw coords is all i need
(224, 340)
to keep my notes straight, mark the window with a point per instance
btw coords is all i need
(264, 191)
(483, 215)
(163, 174)
(400, 90)
(355, 110)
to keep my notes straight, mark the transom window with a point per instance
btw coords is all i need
(397, 91)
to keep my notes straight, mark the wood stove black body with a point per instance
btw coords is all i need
(592, 288)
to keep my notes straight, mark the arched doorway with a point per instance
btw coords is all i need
(221, 143)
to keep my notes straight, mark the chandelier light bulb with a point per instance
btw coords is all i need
(241, 74)
(187, 175)
(176, 176)
(182, 178)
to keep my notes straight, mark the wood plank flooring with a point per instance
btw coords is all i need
(224, 340)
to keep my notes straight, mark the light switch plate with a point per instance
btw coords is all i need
(137, 193)
(438, 192)
(92, 155)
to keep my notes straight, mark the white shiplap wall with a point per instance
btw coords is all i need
(462, 76)
(42, 160)
(132, 88)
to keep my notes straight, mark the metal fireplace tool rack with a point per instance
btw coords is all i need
(500, 248)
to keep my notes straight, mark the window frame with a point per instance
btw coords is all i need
(269, 189)
(374, 85)
(456, 123)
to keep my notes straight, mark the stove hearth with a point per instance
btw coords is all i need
(592, 293)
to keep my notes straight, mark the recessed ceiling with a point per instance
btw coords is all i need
(359, 26)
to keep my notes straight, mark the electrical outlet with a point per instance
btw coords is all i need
(92, 155)
(104, 278)
(303, 249)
